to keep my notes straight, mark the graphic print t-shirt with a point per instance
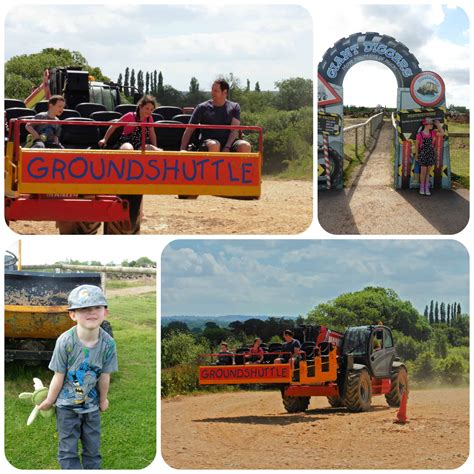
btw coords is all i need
(82, 366)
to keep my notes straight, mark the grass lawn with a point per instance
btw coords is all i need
(128, 427)
(459, 151)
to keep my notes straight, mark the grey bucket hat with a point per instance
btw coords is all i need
(85, 296)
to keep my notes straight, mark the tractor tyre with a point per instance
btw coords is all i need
(107, 327)
(399, 382)
(135, 208)
(295, 404)
(78, 228)
(336, 401)
(358, 391)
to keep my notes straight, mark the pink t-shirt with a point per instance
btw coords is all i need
(131, 117)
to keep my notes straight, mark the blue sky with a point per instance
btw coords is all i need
(290, 277)
(262, 43)
(437, 35)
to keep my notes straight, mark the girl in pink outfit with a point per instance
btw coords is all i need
(131, 138)
(425, 151)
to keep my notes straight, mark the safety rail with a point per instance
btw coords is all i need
(118, 124)
(374, 125)
(243, 355)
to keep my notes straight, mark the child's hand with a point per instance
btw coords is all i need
(46, 405)
(103, 405)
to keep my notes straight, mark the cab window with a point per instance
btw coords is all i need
(388, 341)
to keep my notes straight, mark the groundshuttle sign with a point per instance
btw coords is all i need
(420, 94)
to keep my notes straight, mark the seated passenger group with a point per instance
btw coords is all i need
(216, 111)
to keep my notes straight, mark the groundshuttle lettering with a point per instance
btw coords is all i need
(116, 169)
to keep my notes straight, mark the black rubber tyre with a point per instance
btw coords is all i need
(117, 228)
(359, 391)
(336, 402)
(107, 327)
(399, 382)
(78, 228)
(335, 166)
(359, 38)
(295, 404)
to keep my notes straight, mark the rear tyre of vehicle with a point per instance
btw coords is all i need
(295, 404)
(359, 391)
(399, 383)
(336, 401)
(135, 208)
(78, 228)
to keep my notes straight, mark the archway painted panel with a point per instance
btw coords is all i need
(419, 95)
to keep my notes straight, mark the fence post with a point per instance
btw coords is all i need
(356, 140)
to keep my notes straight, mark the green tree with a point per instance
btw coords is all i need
(425, 314)
(442, 313)
(440, 343)
(257, 87)
(140, 83)
(160, 88)
(126, 83)
(432, 312)
(294, 93)
(452, 369)
(368, 306)
(132, 82)
(147, 83)
(174, 327)
(24, 72)
(407, 348)
(424, 367)
(181, 348)
(436, 313)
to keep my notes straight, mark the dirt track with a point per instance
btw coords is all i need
(251, 430)
(370, 204)
(285, 207)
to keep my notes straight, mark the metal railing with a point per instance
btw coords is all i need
(373, 123)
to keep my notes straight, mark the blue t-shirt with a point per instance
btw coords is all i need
(209, 114)
(82, 366)
(289, 347)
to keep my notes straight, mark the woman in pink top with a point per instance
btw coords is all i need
(131, 138)
(256, 352)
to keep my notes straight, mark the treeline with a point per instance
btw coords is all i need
(442, 313)
(435, 353)
(286, 115)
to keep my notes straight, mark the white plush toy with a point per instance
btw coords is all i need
(37, 397)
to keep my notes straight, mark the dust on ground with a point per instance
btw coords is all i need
(370, 204)
(251, 430)
(285, 207)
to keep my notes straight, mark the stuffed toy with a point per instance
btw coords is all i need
(37, 397)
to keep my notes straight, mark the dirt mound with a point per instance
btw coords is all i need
(251, 430)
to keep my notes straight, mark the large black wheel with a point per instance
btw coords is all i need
(135, 208)
(295, 404)
(335, 167)
(358, 391)
(336, 401)
(78, 228)
(399, 383)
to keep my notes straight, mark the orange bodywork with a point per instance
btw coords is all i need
(36, 322)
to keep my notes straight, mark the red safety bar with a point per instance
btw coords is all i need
(242, 128)
(100, 208)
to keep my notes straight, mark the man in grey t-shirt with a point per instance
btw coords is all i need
(217, 111)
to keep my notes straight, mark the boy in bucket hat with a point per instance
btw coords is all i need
(83, 359)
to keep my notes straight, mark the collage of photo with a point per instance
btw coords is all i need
(236, 236)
